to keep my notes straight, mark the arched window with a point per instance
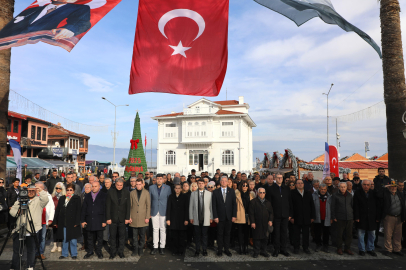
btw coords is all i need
(227, 157)
(170, 157)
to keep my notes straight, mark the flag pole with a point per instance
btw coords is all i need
(151, 153)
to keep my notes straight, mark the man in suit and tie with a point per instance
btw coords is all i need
(93, 219)
(159, 194)
(201, 215)
(140, 215)
(48, 17)
(224, 205)
(118, 216)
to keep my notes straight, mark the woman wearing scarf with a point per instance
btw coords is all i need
(57, 193)
(243, 200)
(322, 223)
(67, 220)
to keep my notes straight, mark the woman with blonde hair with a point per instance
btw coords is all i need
(193, 186)
(57, 193)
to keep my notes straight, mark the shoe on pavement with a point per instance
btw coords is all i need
(361, 253)
(62, 257)
(307, 251)
(398, 253)
(385, 253)
(74, 257)
(219, 253)
(265, 254)
(285, 253)
(349, 252)
(228, 253)
(154, 251)
(197, 253)
(162, 251)
(339, 251)
(325, 249)
(204, 253)
(372, 253)
(88, 255)
(121, 255)
(275, 253)
(296, 251)
(255, 255)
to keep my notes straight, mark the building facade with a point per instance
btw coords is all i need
(206, 136)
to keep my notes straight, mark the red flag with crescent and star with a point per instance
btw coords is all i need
(333, 155)
(180, 47)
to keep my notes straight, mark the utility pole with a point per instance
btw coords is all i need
(6, 15)
(337, 138)
(115, 133)
(327, 107)
(151, 153)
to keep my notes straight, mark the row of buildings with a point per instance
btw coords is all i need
(45, 140)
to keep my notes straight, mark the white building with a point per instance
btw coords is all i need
(207, 135)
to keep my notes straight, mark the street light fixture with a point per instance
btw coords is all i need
(115, 133)
(327, 107)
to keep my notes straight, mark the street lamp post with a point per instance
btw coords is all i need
(115, 133)
(327, 107)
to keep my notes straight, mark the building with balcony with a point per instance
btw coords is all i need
(207, 135)
(30, 132)
(66, 145)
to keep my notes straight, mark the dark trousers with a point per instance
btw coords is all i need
(179, 240)
(85, 236)
(92, 246)
(223, 235)
(404, 235)
(319, 231)
(305, 230)
(291, 233)
(190, 231)
(201, 236)
(141, 233)
(212, 235)
(243, 231)
(117, 232)
(344, 227)
(260, 245)
(281, 233)
(30, 251)
(378, 225)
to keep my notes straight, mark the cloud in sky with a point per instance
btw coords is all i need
(281, 70)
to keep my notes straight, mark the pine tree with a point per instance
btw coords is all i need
(136, 159)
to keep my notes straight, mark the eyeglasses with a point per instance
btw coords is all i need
(244, 185)
(69, 189)
(292, 185)
(58, 188)
(210, 187)
(261, 192)
(1, 182)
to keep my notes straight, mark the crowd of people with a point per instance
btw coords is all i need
(231, 211)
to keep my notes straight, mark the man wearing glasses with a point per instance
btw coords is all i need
(115, 176)
(147, 179)
(280, 198)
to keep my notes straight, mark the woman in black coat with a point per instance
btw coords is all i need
(67, 220)
(12, 195)
(177, 218)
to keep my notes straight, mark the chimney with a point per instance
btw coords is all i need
(240, 100)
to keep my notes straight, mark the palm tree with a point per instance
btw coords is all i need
(6, 15)
(394, 86)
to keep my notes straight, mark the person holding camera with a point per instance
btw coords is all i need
(36, 202)
(67, 220)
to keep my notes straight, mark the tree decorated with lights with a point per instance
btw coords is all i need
(136, 159)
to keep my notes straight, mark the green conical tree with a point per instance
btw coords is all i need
(136, 159)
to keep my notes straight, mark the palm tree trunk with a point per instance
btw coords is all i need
(6, 15)
(394, 86)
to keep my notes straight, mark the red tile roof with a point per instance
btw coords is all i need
(17, 115)
(171, 114)
(355, 157)
(27, 117)
(227, 102)
(60, 131)
(221, 112)
(359, 164)
(384, 157)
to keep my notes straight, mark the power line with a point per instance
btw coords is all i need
(23, 105)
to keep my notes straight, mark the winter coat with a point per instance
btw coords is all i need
(241, 213)
(68, 217)
(281, 203)
(316, 201)
(342, 206)
(177, 211)
(303, 207)
(366, 209)
(115, 211)
(140, 209)
(94, 212)
(260, 214)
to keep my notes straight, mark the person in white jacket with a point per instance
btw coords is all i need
(38, 200)
(47, 217)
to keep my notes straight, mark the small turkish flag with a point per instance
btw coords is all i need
(333, 154)
(180, 47)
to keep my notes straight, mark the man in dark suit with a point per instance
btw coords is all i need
(224, 205)
(93, 219)
(303, 216)
(51, 181)
(118, 206)
(48, 17)
(280, 198)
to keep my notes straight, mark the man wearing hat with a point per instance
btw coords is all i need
(393, 215)
(192, 175)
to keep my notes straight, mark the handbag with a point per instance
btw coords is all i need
(3, 207)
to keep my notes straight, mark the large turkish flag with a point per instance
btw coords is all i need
(333, 153)
(180, 47)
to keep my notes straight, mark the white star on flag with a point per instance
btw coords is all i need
(179, 49)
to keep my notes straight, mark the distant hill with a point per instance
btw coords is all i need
(102, 153)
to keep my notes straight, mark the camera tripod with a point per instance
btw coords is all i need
(24, 215)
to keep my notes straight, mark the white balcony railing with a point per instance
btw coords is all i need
(200, 110)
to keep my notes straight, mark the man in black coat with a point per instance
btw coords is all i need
(93, 219)
(177, 218)
(12, 195)
(51, 182)
(118, 206)
(366, 214)
(381, 180)
(224, 203)
(280, 198)
(260, 214)
(303, 216)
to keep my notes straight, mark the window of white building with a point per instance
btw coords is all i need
(227, 129)
(196, 129)
(227, 157)
(170, 157)
(170, 130)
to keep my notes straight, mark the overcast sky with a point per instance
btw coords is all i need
(280, 69)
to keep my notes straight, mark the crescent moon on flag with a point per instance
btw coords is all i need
(182, 13)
